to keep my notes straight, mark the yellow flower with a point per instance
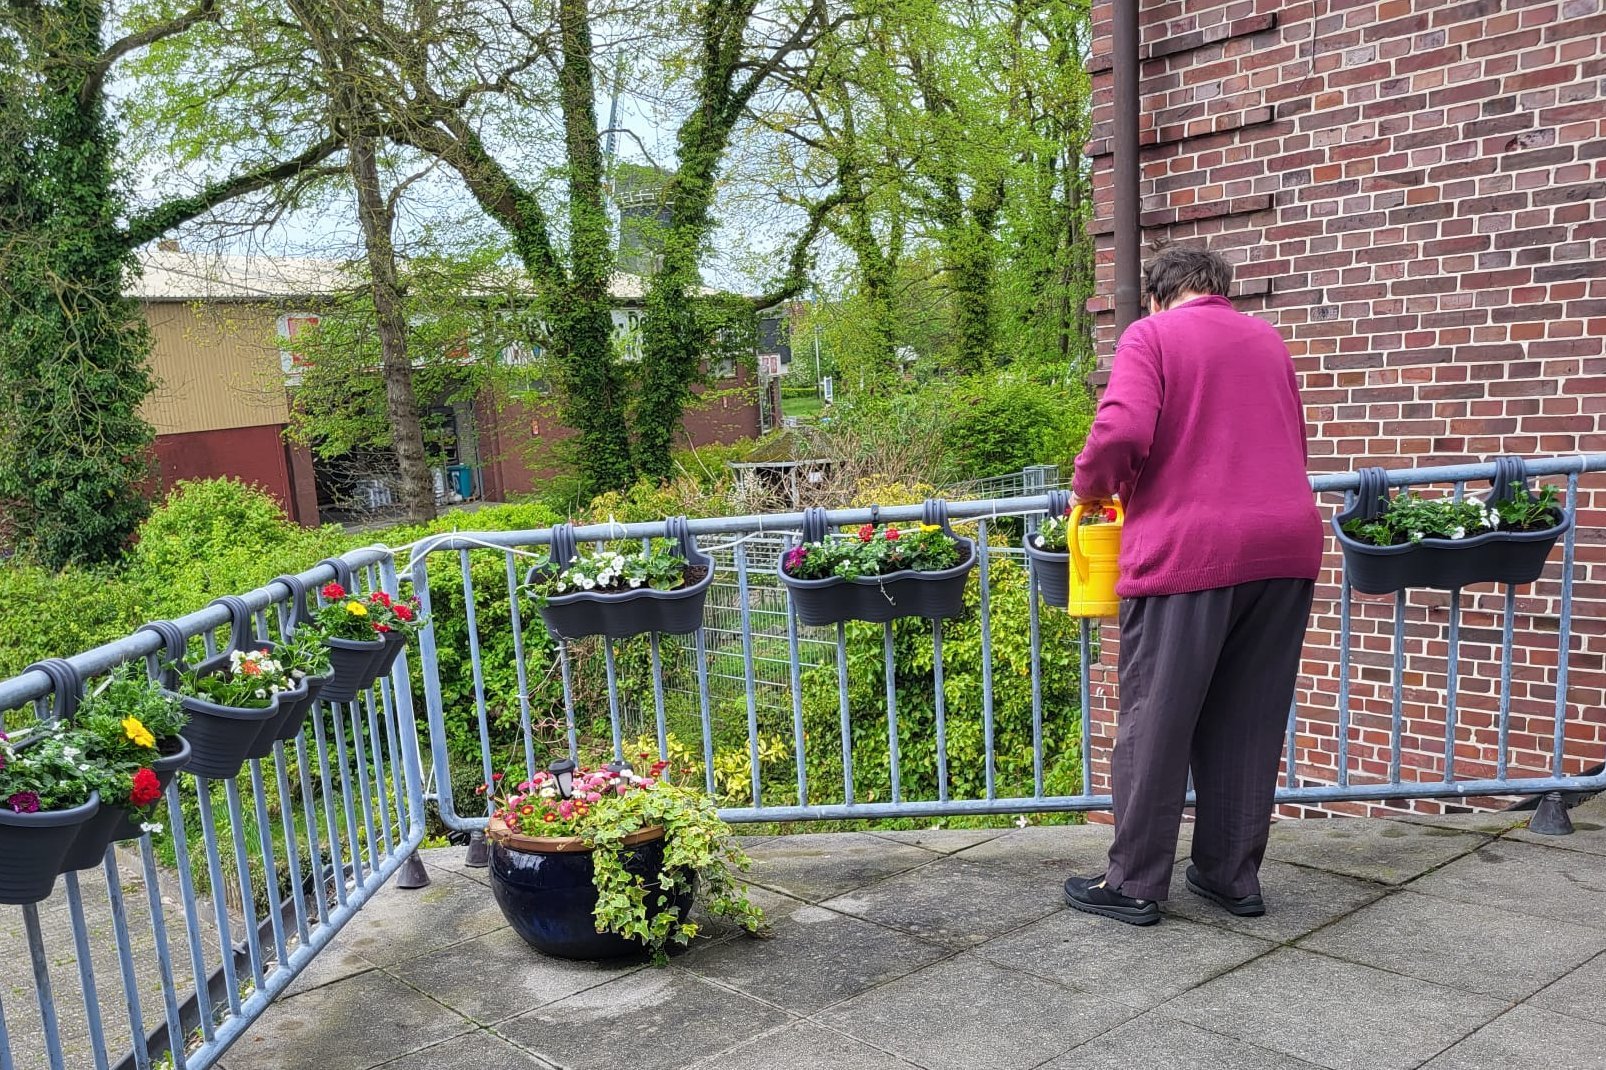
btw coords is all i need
(930, 527)
(356, 609)
(138, 733)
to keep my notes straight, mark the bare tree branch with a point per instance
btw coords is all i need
(205, 11)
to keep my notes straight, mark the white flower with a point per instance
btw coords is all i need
(261, 693)
(1459, 533)
(588, 583)
(635, 582)
(150, 826)
(1416, 536)
(1021, 822)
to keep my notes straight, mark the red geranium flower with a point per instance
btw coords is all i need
(892, 533)
(381, 597)
(867, 533)
(403, 611)
(146, 789)
(333, 590)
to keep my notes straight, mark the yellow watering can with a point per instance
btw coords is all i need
(1095, 551)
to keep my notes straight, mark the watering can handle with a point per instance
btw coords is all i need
(1074, 535)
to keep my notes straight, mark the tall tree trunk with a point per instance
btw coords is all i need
(401, 403)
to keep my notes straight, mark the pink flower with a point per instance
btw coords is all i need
(566, 809)
(24, 802)
(592, 797)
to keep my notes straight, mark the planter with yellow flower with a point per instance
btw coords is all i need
(133, 729)
(356, 647)
(879, 573)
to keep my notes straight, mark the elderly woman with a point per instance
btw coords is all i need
(1202, 435)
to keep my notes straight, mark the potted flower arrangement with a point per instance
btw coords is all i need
(48, 797)
(881, 573)
(658, 588)
(396, 620)
(1049, 546)
(232, 701)
(1391, 543)
(602, 863)
(131, 729)
(350, 630)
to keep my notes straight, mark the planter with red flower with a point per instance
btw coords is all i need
(604, 863)
(613, 593)
(1049, 546)
(356, 647)
(48, 800)
(132, 728)
(879, 573)
(396, 621)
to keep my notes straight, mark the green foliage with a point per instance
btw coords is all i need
(48, 613)
(963, 695)
(251, 681)
(50, 771)
(658, 567)
(1004, 424)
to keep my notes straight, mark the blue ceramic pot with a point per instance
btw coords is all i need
(549, 898)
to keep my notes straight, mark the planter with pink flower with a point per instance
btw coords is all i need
(1048, 547)
(878, 573)
(604, 863)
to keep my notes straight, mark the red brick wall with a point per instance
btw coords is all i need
(517, 441)
(1414, 192)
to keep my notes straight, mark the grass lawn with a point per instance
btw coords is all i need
(807, 407)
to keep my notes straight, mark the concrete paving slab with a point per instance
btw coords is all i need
(815, 958)
(954, 902)
(498, 975)
(804, 1046)
(353, 1024)
(334, 963)
(1427, 937)
(1373, 849)
(424, 920)
(1527, 1036)
(1298, 901)
(818, 866)
(1578, 993)
(1335, 1013)
(1491, 822)
(476, 1051)
(1137, 967)
(452, 860)
(943, 841)
(1526, 878)
(1589, 833)
(1053, 849)
(964, 1015)
(656, 1019)
(1156, 1040)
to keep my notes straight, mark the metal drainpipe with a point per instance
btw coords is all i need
(1128, 233)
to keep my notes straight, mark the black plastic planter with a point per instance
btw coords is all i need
(35, 848)
(394, 645)
(292, 707)
(1514, 557)
(290, 726)
(1051, 569)
(219, 736)
(113, 823)
(933, 595)
(550, 897)
(620, 614)
(354, 665)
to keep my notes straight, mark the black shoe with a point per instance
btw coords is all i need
(1244, 906)
(1089, 895)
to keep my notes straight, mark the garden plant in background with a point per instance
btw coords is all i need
(1410, 517)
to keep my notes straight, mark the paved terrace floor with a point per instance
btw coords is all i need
(1455, 943)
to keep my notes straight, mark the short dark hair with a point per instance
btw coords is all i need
(1178, 269)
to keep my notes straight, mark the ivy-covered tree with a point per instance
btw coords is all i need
(74, 454)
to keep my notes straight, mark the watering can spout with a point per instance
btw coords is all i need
(1095, 551)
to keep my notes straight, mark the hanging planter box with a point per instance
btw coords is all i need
(290, 726)
(112, 823)
(621, 614)
(354, 665)
(934, 595)
(1051, 569)
(293, 707)
(221, 737)
(35, 848)
(1513, 557)
(545, 887)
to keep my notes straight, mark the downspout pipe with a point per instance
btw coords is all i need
(1128, 232)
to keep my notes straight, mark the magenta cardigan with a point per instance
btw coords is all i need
(1202, 434)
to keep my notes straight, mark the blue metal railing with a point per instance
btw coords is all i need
(448, 560)
(285, 855)
(275, 861)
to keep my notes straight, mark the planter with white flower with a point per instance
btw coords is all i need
(659, 588)
(47, 800)
(1393, 543)
(605, 863)
(879, 574)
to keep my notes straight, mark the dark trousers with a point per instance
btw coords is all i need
(1206, 681)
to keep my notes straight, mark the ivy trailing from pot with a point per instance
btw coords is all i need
(605, 862)
(661, 587)
(1408, 540)
(879, 573)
